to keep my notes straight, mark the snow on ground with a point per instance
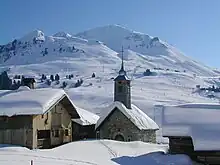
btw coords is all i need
(93, 152)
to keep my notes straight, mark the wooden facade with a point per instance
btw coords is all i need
(81, 132)
(52, 128)
(184, 145)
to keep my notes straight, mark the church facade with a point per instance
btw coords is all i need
(122, 120)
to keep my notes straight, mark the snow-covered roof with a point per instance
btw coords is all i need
(25, 101)
(200, 121)
(199, 105)
(121, 77)
(86, 117)
(135, 115)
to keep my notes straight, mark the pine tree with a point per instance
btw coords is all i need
(43, 77)
(51, 77)
(81, 81)
(64, 84)
(19, 83)
(57, 77)
(5, 81)
(147, 72)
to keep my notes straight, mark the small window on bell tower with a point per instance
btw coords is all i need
(120, 89)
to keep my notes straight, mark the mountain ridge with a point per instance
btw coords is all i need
(36, 44)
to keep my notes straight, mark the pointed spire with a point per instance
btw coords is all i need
(122, 58)
(122, 71)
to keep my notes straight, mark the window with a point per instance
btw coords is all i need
(120, 89)
(43, 134)
(66, 132)
(56, 133)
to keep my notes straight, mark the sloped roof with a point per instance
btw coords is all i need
(135, 115)
(121, 77)
(25, 101)
(200, 121)
(86, 117)
(199, 105)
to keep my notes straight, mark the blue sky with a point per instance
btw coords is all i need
(193, 26)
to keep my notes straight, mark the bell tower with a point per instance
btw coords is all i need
(122, 86)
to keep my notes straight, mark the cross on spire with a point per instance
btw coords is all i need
(122, 71)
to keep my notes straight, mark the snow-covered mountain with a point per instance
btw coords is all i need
(174, 75)
(102, 42)
(155, 52)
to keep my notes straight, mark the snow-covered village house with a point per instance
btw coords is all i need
(84, 127)
(122, 120)
(29, 82)
(193, 129)
(39, 118)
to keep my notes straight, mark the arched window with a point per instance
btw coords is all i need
(119, 138)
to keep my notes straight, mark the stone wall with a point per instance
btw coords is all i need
(148, 136)
(124, 95)
(118, 124)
